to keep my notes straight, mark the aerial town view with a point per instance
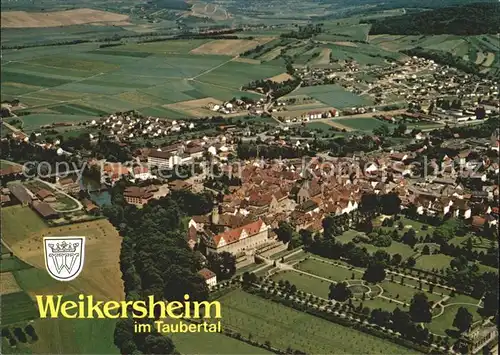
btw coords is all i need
(249, 177)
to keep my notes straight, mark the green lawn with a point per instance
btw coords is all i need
(458, 298)
(416, 225)
(382, 303)
(19, 222)
(397, 291)
(364, 124)
(329, 271)
(395, 248)
(284, 327)
(441, 324)
(435, 261)
(297, 256)
(17, 307)
(347, 236)
(304, 283)
(404, 293)
(478, 243)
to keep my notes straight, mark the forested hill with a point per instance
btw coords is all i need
(472, 19)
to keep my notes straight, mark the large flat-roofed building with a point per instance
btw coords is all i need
(246, 238)
(159, 158)
(44, 210)
(167, 160)
(21, 194)
(137, 195)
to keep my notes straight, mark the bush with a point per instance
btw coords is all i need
(6, 332)
(382, 241)
(18, 332)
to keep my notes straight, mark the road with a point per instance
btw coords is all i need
(11, 127)
(211, 69)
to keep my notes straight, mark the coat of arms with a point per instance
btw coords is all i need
(64, 256)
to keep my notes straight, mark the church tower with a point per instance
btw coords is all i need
(214, 217)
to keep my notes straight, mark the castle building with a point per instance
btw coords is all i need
(480, 335)
(238, 240)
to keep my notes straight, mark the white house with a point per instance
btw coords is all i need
(141, 173)
(371, 168)
(209, 276)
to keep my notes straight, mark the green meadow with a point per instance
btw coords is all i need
(363, 123)
(333, 95)
(285, 327)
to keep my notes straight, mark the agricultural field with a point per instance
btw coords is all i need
(480, 50)
(230, 47)
(46, 35)
(36, 281)
(208, 10)
(343, 32)
(8, 283)
(364, 123)
(101, 275)
(363, 53)
(20, 282)
(17, 307)
(195, 108)
(87, 82)
(283, 327)
(17, 231)
(325, 128)
(236, 74)
(332, 95)
(11, 263)
(212, 343)
(281, 77)
(69, 336)
(22, 19)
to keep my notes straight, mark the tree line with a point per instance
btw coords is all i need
(467, 20)
(156, 260)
